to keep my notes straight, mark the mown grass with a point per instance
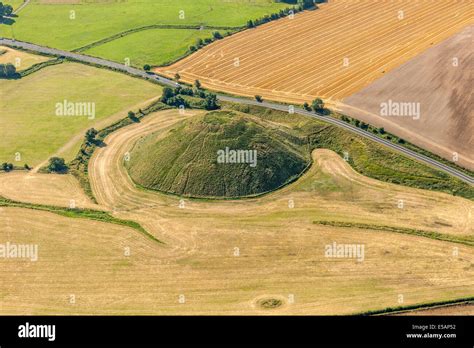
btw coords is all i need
(365, 156)
(378, 162)
(51, 24)
(29, 122)
(90, 214)
(79, 165)
(153, 47)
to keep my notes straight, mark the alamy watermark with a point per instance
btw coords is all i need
(402, 109)
(19, 251)
(237, 156)
(37, 331)
(351, 251)
(68, 108)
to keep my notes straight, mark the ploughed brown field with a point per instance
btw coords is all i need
(331, 52)
(440, 83)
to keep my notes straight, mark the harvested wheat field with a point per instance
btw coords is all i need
(253, 256)
(50, 189)
(440, 83)
(331, 52)
(22, 60)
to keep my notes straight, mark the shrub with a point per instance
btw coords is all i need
(131, 115)
(7, 166)
(90, 135)
(8, 71)
(318, 105)
(57, 165)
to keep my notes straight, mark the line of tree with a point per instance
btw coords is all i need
(300, 5)
(174, 97)
(370, 128)
(57, 165)
(200, 43)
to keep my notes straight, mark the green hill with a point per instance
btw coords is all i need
(219, 154)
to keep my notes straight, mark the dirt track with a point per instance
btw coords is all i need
(331, 52)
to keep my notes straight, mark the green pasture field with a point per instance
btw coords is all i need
(154, 46)
(52, 23)
(28, 119)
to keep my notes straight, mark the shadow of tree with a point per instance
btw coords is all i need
(7, 21)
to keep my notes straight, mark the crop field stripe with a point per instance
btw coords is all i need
(415, 232)
(296, 77)
(321, 38)
(375, 42)
(342, 34)
(392, 42)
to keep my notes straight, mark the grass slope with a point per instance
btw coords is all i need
(28, 120)
(48, 23)
(155, 47)
(365, 156)
(185, 161)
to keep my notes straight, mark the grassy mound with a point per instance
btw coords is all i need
(191, 160)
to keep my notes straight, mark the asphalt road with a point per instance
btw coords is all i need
(150, 76)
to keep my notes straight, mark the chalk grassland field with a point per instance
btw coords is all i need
(154, 46)
(439, 81)
(20, 59)
(48, 22)
(280, 249)
(330, 52)
(28, 118)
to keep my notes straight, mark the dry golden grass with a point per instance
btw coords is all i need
(22, 60)
(49, 189)
(330, 53)
(280, 250)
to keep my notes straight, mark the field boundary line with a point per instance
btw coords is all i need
(415, 307)
(411, 231)
(151, 27)
(90, 214)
